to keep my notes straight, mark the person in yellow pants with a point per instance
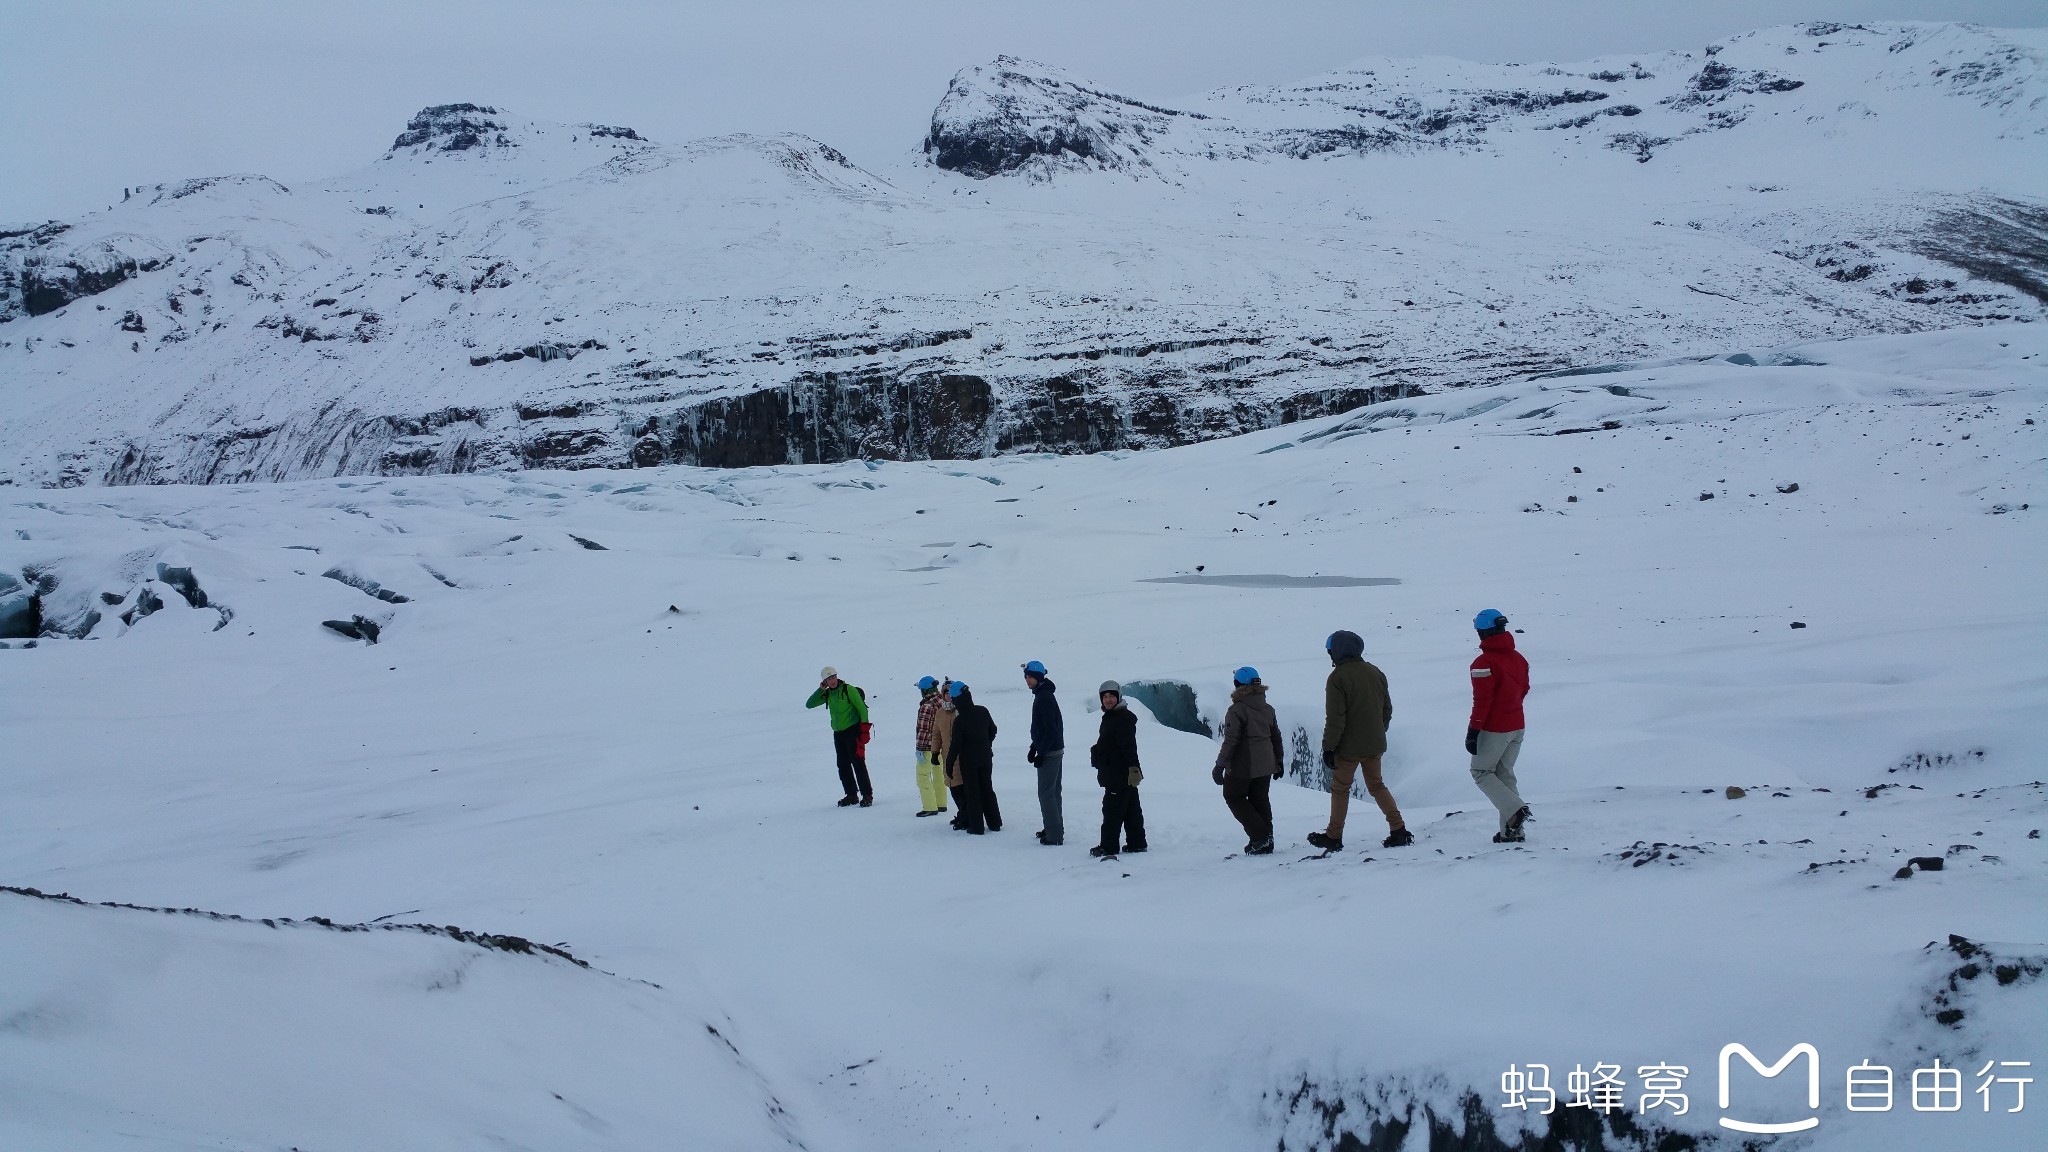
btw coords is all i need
(931, 750)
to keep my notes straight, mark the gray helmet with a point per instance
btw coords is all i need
(1110, 686)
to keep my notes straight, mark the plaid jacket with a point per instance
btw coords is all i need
(925, 712)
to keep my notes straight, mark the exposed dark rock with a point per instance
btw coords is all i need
(453, 128)
(493, 941)
(1637, 144)
(824, 417)
(1717, 81)
(593, 545)
(1958, 987)
(2003, 241)
(49, 285)
(184, 582)
(569, 411)
(1387, 1116)
(1000, 117)
(366, 585)
(355, 628)
(146, 603)
(1476, 109)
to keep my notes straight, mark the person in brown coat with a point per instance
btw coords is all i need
(1251, 756)
(942, 742)
(1357, 710)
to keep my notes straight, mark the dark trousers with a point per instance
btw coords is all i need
(853, 767)
(978, 807)
(1250, 803)
(1122, 814)
(1050, 806)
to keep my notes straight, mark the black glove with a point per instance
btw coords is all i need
(1472, 741)
(1216, 774)
(1329, 758)
(1031, 757)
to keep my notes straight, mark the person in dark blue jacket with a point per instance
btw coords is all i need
(1048, 752)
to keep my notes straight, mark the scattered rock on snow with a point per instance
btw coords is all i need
(146, 602)
(355, 628)
(186, 584)
(1735, 793)
(366, 585)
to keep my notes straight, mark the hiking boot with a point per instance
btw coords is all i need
(1507, 837)
(1522, 816)
(1398, 838)
(928, 812)
(848, 801)
(1325, 841)
(1102, 853)
(1134, 848)
(1262, 848)
(867, 801)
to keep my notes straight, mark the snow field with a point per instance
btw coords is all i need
(543, 749)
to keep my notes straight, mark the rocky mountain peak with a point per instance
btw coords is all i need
(454, 128)
(1012, 113)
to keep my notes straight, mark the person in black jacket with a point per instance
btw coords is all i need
(1048, 753)
(1115, 757)
(973, 750)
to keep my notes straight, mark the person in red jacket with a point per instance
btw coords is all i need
(1500, 678)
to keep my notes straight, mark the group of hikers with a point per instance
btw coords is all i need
(956, 748)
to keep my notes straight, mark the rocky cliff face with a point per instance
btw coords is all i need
(1065, 268)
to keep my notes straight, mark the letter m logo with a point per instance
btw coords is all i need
(1758, 1066)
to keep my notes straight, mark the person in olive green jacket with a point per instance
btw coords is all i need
(1357, 710)
(848, 707)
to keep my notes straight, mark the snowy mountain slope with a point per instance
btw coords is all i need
(537, 745)
(497, 291)
(1018, 116)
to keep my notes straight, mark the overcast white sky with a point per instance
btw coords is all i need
(100, 94)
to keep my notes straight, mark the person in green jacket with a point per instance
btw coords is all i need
(848, 708)
(1357, 710)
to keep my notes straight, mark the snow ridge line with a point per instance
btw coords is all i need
(489, 940)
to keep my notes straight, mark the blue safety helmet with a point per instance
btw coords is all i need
(959, 686)
(1245, 675)
(927, 684)
(1035, 668)
(1491, 618)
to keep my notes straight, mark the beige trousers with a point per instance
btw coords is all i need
(1340, 794)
